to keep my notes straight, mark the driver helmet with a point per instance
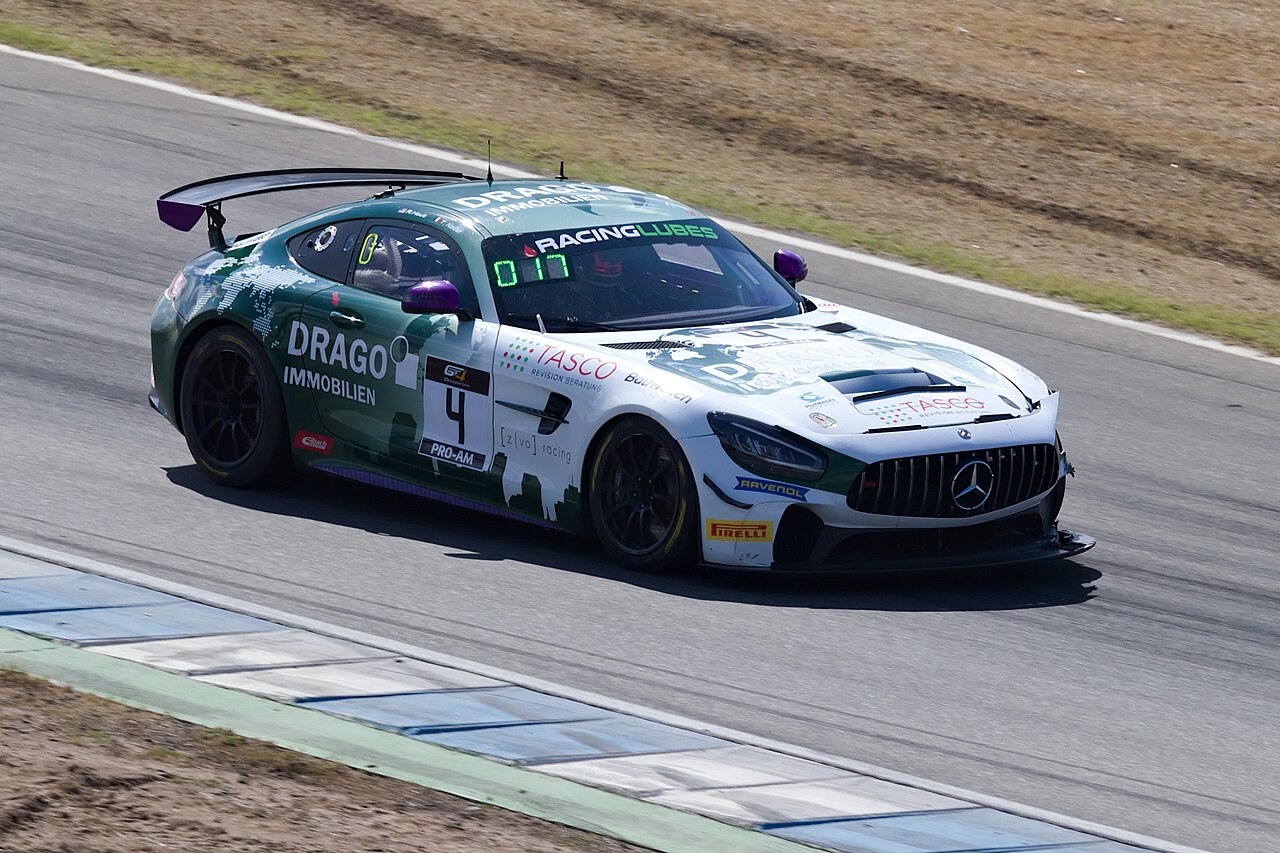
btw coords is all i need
(601, 269)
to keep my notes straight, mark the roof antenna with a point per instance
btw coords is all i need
(561, 175)
(489, 176)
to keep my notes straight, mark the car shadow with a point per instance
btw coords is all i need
(473, 536)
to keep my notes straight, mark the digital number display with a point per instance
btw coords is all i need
(521, 271)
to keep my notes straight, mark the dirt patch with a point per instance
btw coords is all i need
(1121, 154)
(79, 774)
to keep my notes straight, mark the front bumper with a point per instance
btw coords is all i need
(816, 531)
(1056, 544)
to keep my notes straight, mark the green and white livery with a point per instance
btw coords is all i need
(601, 360)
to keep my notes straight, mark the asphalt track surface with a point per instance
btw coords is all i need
(1137, 686)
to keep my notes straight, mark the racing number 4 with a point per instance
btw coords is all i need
(457, 413)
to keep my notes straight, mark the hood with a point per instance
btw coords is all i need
(820, 375)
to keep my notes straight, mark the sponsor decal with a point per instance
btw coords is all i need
(907, 411)
(530, 198)
(450, 453)
(517, 354)
(317, 344)
(457, 375)
(314, 442)
(769, 487)
(822, 420)
(622, 232)
(722, 530)
(330, 385)
(555, 363)
(520, 443)
(572, 361)
(813, 400)
(644, 382)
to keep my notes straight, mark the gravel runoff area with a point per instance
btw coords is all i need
(79, 774)
(1121, 154)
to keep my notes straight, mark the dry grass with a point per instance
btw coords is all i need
(1121, 156)
(81, 774)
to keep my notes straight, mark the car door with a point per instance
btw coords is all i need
(414, 387)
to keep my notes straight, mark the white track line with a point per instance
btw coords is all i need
(317, 626)
(740, 227)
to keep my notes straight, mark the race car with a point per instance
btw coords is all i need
(599, 360)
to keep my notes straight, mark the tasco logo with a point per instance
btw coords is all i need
(321, 444)
(739, 531)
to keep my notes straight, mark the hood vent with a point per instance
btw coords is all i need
(858, 382)
(650, 345)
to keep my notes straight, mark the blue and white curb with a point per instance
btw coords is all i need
(774, 788)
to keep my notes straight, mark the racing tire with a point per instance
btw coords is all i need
(642, 502)
(233, 411)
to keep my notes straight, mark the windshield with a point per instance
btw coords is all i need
(642, 276)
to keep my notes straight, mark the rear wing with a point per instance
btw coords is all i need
(183, 207)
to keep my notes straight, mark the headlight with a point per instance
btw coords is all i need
(768, 450)
(176, 286)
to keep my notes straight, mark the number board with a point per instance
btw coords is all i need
(457, 416)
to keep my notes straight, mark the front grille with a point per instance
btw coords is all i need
(926, 486)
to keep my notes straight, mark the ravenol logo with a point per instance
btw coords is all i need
(739, 531)
(747, 484)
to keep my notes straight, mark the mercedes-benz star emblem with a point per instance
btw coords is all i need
(972, 485)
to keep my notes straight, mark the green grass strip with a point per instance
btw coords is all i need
(384, 753)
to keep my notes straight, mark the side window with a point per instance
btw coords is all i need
(327, 250)
(393, 258)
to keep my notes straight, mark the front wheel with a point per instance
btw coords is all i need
(642, 500)
(233, 412)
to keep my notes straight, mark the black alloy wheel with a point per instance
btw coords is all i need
(232, 410)
(643, 504)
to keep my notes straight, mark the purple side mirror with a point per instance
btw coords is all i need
(430, 297)
(790, 266)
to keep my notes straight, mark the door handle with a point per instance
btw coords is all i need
(349, 321)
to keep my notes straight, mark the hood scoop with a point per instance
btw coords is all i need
(857, 383)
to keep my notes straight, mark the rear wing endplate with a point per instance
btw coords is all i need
(182, 208)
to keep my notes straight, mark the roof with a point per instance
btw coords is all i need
(516, 207)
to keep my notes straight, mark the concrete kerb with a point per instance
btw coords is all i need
(384, 753)
(409, 650)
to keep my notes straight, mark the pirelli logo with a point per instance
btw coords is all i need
(739, 531)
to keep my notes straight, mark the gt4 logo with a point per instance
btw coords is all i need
(739, 531)
(457, 375)
(321, 444)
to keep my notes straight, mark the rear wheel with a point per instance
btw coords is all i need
(233, 412)
(643, 503)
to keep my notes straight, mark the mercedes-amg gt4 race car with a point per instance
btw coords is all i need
(599, 360)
